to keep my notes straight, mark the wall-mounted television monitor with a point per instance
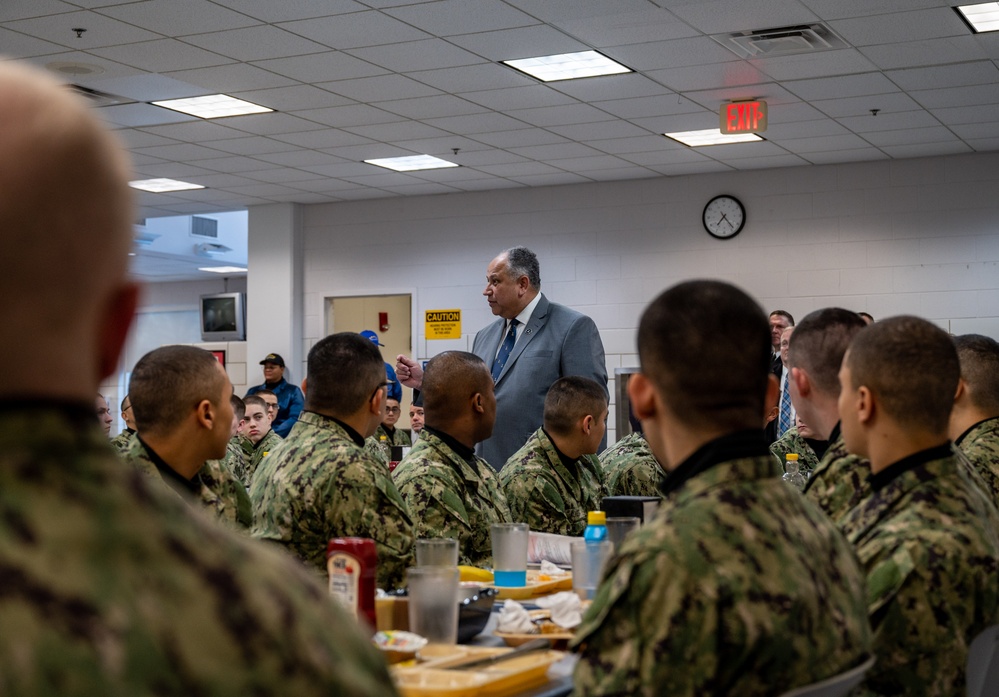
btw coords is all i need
(223, 317)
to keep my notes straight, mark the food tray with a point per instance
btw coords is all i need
(535, 586)
(430, 679)
(560, 640)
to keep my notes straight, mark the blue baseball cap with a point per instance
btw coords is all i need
(372, 337)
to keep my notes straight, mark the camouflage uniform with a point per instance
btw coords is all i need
(550, 497)
(691, 603)
(121, 441)
(397, 437)
(929, 542)
(221, 476)
(373, 447)
(246, 445)
(792, 442)
(265, 445)
(450, 497)
(320, 484)
(225, 509)
(113, 587)
(839, 481)
(979, 449)
(630, 468)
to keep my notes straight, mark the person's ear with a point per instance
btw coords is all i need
(478, 403)
(962, 390)
(205, 414)
(773, 393)
(116, 320)
(305, 381)
(642, 396)
(802, 382)
(866, 405)
(377, 403)
(586, 425)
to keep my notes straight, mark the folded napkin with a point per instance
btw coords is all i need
(565, 607)
(514, 619)
(549, 569)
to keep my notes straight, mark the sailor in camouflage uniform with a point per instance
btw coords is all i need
(450, 491)
(927, 538)
(259, 432)
(974, 421)
(222, 477)
(320, 483)
(794, 442)
(555, 478)
(630, 468)
(121, 441)
(691, 603)
(111, 586)
(839, 480)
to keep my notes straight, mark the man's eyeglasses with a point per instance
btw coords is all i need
(380, 386)
(393, 410)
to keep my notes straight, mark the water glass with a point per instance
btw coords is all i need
(588, 560)
(618, 528)
(433, 603)
(438, 551)
(510, 554)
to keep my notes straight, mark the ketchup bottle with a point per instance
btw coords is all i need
(351, 563)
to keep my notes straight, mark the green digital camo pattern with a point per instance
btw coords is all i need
(223, 509)
(121, 441)
(237, 461)
(737, 587)
(980, 450)
(111, 587)
(265, 445)
(221, 477)
(318, 484)
(929, 542)
(630, 468)
(398, 437)
(449, 498)
(839, 481)
(792, 442)
(547, 495)
(374, 448)
(246, 445)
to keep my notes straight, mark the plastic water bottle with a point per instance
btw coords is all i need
(791, 474)
(596, 527)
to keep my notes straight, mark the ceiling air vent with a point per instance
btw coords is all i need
(782, 41)
(204, 227)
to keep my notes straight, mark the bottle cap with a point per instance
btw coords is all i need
(791, 456)
(596, 518)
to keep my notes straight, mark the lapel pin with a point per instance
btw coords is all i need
(528, 331)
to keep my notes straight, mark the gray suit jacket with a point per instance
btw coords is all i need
(556, 342)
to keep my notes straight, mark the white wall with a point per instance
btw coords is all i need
(913, 236)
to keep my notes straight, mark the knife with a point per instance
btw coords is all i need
(533, 646)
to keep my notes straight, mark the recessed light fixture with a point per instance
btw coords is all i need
(711, 136)
(982, 17)
(222, 269)
(162, 186)
(213, 106)
(411, 163)
(568, 66)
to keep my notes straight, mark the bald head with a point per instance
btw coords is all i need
(451, 382)
(66, 202)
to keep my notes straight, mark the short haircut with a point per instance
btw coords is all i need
(979, 356)
(254, 400)
(867, 316)
(168, 383)
(912, 368)
(449, 381)
(344, 371)
(238, 407)
(785, 314)
(264, 391)
(521, 261)
(705, 346)
(819, 342)
(570, 399)
(123, 401)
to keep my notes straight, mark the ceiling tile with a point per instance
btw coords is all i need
(427, 54)
(472, 124)
(380, 88)
(859, 106)
(451, 17)
(558, 179)
(140, 115)
(22, 9)
(288, 10)
(967, 114)
(431, 107)
(195, 130)
(520, 138)
(226, 79)
(841, 86)
(559, 13)
(326, 138)
(134, 138)
(391, 132)
(804, 129)
(294, 98)
(823, 143)
(355, 30)
(179, 17)
(716, 16)
(255, 43)
(621, 28)
(518, 97)
(821, 64)
(888, 122)
(933, 134)
(731, 74)
(958, 96)
(350, 115)
(180, 151)
(607, 87)
(472, 77)
(597, 131)
(148, 87)
(648, 106)
(638, 144)
(900, 26)
(955, 49)
(271, 124)
(586, 164)
(162, 55)
(299, 158)
(955, 75)
(659, 55)
(320, 67)
(444, 146)
(838, 9)
(522, 42)
(249, 145)
(556, 151)
(232, 164)
(21, 45)
(101, 30)
(560, 115)
(927, 149)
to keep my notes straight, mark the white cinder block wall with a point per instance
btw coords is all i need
(916, 236)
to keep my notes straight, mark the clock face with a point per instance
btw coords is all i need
(724, 217)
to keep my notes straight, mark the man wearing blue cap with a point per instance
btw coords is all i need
(394, 388)
(290, 397)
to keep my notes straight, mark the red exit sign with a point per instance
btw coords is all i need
(743, 117)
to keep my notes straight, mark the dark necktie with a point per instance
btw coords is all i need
(505, 349)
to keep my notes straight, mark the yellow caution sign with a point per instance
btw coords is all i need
(442, 324)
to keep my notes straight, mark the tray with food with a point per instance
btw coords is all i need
(441, 672)
(545, 629)
(538, 583)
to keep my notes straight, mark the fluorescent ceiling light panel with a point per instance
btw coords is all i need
(568, 66)
(982, 17)
(162, 186)
(222, 269)
(411, 163)
(213, 106)
(712, 136)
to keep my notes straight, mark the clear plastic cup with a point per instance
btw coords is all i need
(510, 554)
(619, 528)
(438, 551)
(588, 560)
(433, 603)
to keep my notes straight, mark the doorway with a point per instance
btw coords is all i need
(360, 312)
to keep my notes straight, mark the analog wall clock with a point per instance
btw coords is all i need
(724, 217)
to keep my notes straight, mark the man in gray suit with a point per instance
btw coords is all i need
(547, 341)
